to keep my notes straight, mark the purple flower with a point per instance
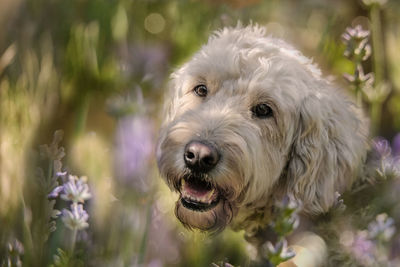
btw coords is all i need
(396, 145)
(383, 227)
(222, 264)
(360, 77)
(382, 146)
(13, 254)
(359, 246)
(287, 219)
(76, 218)
(390, 167)
(75, 190)
(280, 252)
(388, 163)
(56, 191)
(356, 41)
(134, 148)
(356, 33)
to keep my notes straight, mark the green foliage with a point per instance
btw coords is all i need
(64, 259)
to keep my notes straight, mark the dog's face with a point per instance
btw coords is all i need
(246, 113)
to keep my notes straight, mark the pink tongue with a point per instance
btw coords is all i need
(195, 190)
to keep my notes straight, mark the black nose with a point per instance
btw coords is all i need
(200, 156)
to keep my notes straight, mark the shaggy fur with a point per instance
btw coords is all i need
(312, 146)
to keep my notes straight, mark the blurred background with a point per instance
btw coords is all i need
(97, 70)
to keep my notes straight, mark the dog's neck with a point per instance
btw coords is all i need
(255, 217)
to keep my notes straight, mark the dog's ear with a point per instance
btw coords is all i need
(328, 148)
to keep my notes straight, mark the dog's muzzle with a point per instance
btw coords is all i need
(198, 193)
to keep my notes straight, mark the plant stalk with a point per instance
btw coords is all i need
(143, 244)
(81, 116)
(377, 45)
(73, 241)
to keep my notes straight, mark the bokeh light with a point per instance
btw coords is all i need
(154, 23)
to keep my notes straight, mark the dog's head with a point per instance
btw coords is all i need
(249, 114)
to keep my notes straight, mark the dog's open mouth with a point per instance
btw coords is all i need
(197, 194)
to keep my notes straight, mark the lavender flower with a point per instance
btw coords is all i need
(358, 50)
(222, 264)
(76, 219)
(360, 77)
(362, 248)
(382, 146)
(356, 33)
(356, 41)
(13, 255)
(388, 165)
(378, 93)
(134, 147)
(279, 252)
(75, 190)
(285, 222)
(366, 247)
(287, 219)
(382, 228)
(396, 145)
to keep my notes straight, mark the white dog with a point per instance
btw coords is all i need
(250, 119)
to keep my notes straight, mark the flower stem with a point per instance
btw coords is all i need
(377, 45)
(73, 241)
(376, 111)
(357, 85)
(378, 64)
(82, 115)
(143, 244)
(27, 230)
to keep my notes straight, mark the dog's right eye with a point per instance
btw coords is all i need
(201, 90)
(262, 111)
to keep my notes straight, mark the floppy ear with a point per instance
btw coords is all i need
(328, 149)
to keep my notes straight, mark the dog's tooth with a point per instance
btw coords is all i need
(210, 194)
(182, 183)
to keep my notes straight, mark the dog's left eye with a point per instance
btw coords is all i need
(262, 111)
(201, 90)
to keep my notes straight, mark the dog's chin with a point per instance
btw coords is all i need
(202, 206)
(214, 219)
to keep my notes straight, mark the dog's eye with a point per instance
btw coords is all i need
(201, 90)
(262, 111)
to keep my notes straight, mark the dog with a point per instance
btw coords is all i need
(250, 119)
